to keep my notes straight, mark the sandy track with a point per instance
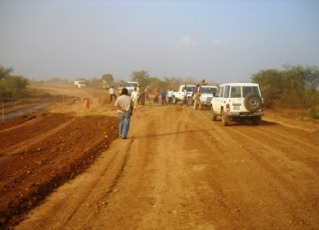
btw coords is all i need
(180, 170)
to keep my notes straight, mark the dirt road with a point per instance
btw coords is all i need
(177, 170)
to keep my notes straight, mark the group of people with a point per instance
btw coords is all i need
(126, 103)
(169, 94)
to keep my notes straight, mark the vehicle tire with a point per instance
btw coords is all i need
(225, 119)
(214, 115)
(255, 120)
(252, 102)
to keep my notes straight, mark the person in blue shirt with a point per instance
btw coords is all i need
(163, 93)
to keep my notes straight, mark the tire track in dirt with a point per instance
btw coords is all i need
(26, 178)
(294, 148)
(237, 157)
(172, 188)
(283, 150)
(300, 137)
(184, 171)
(100, 190)
(158, 177)
(283, 171)
(22, 136)
(85, 204)
(122, 208)
(219, 188)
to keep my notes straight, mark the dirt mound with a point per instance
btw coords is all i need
(42, 151)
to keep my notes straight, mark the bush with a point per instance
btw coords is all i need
(11, 86)
(293, 87)
(313, 113)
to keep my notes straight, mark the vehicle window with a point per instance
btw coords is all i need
(214, 91)
(221, 91)
(207, 90)
(250, 89)
(129, 84)
(226, 93)
(190, 88)
(235, 91)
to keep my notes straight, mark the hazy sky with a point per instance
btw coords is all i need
(220, 41)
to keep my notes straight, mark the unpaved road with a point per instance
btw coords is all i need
(177, 170)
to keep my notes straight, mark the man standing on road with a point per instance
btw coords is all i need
(147, 94)
(112, 94)
(134, 96)
(196, 96)
(184, 96)
(163, 93)
(170, 94)
(124, 110)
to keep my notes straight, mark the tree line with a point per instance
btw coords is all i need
(292, 87)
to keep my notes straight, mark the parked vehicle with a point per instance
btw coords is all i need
(238, 101)
(80, 83)
(179, 95)
(206, 93)
(130, 85)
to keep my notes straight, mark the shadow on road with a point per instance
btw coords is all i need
(173, 133)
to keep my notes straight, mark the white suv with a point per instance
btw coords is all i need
(130, 86)
(238, 101)
(207, 93)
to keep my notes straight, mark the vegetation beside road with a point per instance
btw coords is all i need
(11, 86)
(294, 87)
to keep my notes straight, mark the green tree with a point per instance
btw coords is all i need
(173, 82)
(5, 72)
(295, 86)
(15, 85)
(270, 82)
(142, 77)
(155, 83)
(108, 77)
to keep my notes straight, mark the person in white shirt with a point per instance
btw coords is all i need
(112, 94)
(134, 96)
(170, 94)
(184, 96)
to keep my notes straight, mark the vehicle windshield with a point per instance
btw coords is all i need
(207, 90)
(189, 88)
(131, 84)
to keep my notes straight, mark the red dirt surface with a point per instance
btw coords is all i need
(40, 152)
(177, 169)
